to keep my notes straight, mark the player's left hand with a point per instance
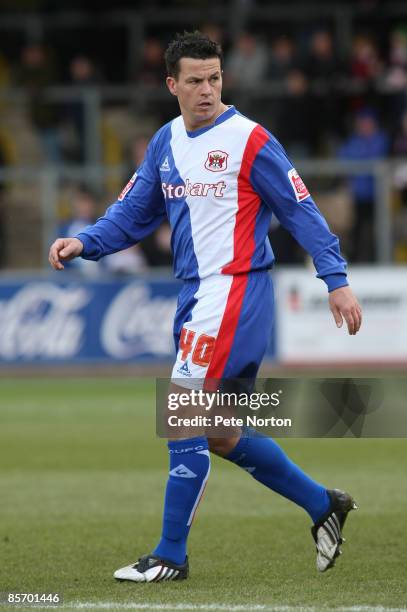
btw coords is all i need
(344, 305)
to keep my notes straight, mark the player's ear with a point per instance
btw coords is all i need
(172, 85)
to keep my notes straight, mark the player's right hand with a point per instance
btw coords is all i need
(64, 249)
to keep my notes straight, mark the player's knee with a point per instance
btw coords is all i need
(222, 446)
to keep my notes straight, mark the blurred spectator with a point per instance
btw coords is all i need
(150, 72)
(246, 62)
(214, 32)
(83, 73)
(152, 68)
(2, 217)
(294, 121)
(129, 261)
(398, 48)
(156, 247)
(84, 213)
(282, 59)
(400, 142)
(368, 141)
(135, 154)
(400, 182)
(395, 77)
(285, 248)
(365, 64)
(4, 72)
(322, 62)
(138, 151)
(2, 165)
(324, 71)
(2, 235)
(364, 70)
(35, 73)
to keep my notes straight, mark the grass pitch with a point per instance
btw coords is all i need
(82, 479)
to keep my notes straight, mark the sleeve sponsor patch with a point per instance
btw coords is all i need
(127, 188)
(300, 190)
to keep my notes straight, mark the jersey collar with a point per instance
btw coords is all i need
(220, 119)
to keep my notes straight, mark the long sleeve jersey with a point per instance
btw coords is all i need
(218, 186)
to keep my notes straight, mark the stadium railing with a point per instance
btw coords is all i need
(50, 181)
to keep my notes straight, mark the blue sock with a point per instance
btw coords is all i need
(267, 463)
(189, 471)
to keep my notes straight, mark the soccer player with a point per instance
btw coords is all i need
(218, 177)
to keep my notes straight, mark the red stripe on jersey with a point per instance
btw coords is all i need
(248, 203)
(226, 334)
(243, 249)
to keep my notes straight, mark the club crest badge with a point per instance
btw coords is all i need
(216, 161)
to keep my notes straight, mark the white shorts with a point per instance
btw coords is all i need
(222, 328)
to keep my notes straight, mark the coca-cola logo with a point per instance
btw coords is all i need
(137, 324)
(41, 320)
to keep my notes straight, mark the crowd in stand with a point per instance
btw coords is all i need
(317, 100)
(301, 87)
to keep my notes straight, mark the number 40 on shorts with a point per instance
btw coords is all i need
(202, 351)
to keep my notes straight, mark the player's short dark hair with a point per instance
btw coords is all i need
(190, 44)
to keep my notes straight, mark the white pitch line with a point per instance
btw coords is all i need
(103, 605)
(193, 607)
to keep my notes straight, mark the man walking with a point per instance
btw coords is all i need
(219, 177)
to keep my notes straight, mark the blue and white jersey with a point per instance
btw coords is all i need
(218, 186)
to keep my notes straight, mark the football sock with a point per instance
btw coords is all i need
(268, 463)
(189, 471)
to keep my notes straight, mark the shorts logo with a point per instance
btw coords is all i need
(216, 161)
(300, 190)
(184, 370)
(128, 187)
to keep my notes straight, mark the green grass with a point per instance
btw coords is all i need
(82, 477)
